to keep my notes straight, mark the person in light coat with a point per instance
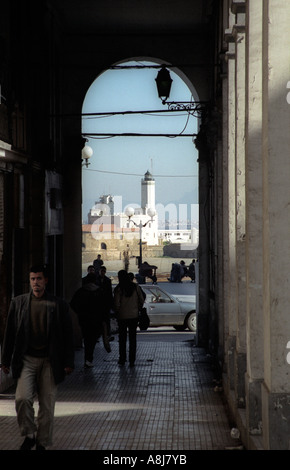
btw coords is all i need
(128, 302)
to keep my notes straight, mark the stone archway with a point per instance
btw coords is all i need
(154, 65)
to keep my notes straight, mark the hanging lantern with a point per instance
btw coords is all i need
(163, 83)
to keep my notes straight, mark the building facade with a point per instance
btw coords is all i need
(103, 215)
(103, 207)
(249, 232)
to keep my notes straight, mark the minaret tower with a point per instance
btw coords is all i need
(147, 192)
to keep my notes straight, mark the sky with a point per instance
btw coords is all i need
(119, 163)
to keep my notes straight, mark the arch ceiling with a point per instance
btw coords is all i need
(115, 16)
(96, 35)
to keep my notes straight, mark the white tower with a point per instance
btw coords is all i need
(147, 192)
(143, 217)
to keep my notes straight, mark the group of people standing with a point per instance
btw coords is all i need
(93, 303)
(38, 344)
(180, 270)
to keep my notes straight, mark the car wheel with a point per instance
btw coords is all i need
(191, 322)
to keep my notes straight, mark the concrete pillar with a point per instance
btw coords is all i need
(72, 238)
(224, 318)
(240, 77)
(219, 298)
(203, 310)
(254, 216)
(276, 216)
(230, 285)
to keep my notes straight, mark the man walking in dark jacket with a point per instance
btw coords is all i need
(86, 304)
(106, 300)
(39, 347)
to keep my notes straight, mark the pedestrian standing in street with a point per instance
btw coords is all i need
(106, 302)
(97, 264)
(176, 272)
(90, 270)
(39, 347)
(128, 301)
(191, 271)
(183, 270)
(86, 304)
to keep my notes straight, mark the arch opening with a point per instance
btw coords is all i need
(131, 133)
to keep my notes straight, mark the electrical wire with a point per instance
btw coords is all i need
(137, 174)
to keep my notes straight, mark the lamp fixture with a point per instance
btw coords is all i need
(163, 83)
(129, 213)
(87, 152)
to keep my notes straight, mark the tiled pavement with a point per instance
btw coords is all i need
(167, 402)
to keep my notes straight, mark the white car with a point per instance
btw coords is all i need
(165, 309)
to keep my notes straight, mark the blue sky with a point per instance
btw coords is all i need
(119, 163)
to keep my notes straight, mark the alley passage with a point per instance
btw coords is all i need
(168, 401)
